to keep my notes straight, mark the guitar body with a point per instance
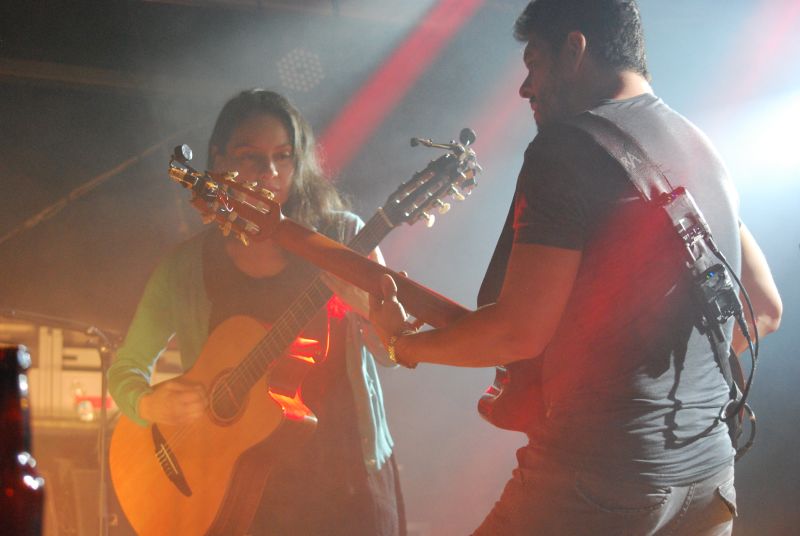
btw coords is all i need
(208, 477)
(514, 401)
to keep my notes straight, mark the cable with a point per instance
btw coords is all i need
(742, 407)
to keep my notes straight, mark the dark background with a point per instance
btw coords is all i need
(93, 96)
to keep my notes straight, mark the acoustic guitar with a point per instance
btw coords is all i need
(208, 477)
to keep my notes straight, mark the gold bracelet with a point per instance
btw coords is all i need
(390, 347)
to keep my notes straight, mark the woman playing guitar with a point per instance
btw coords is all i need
(340, 479)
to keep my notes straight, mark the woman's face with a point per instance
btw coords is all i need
(261, 151)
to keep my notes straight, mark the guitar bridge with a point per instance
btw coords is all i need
(169, 462)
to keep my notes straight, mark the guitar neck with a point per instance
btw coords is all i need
(343, 262)
(373, 232)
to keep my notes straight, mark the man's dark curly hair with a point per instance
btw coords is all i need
(613, 29)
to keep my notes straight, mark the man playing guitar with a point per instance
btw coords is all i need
(586, 279)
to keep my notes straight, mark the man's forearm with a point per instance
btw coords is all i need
(484, 338)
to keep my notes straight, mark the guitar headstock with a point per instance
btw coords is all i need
(237, 206)
(452, 175)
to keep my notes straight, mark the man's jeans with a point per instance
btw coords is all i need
(544, 499)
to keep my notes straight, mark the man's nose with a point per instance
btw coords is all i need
(525, 89)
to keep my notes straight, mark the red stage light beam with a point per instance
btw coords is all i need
(370, 105)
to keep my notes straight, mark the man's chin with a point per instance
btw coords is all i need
(544, 120)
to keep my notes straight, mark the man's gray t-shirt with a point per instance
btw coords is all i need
(631, 387)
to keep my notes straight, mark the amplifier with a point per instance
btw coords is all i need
(65, 379)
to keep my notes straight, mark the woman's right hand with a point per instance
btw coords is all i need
(173, 402)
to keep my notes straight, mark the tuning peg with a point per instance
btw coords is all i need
(456, 193)
(467, 136)
(443, 207)
(226, 228)
(179, 175)
(243, 239)
(430, 219)
(182, 153)
(469, 184)
(267, 194)
(227, 177)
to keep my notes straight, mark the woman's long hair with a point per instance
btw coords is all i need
(313, 200)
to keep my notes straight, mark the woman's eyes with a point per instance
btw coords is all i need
(258, 158)
(260, 161)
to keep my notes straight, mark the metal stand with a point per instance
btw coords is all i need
(106, 348)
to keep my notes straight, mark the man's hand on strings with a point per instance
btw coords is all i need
(386, 313)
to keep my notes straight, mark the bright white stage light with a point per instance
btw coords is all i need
(764, 145)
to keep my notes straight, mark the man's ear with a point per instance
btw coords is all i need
(574, 50)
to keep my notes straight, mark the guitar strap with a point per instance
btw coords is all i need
(712, 288)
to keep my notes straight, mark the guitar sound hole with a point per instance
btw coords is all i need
(226, 402)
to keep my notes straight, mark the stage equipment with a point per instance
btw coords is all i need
(22, 493)
(105, 343)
